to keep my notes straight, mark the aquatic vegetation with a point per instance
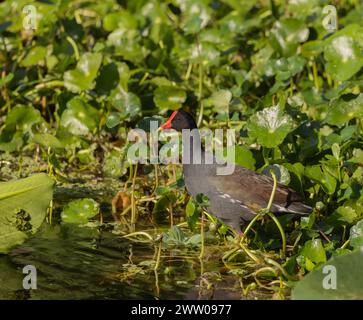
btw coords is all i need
(72, 89)
(20, 214)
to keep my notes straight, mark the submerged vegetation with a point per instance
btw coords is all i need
(72, 88)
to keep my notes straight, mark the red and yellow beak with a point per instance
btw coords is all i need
(167, 124)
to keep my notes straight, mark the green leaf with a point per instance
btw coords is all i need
(308, 222)
(19, 125)
(202, 200)
(356, 235)
(48, 141)
(80, 211)
(195, 16)
(175, 236)
(194, 240)
(161, 208)
(270, 126)
(296, 174)
(221, 99)
(107, 79)
(282, 174)
(341, 112)
(169, 97)
(126, 43)
(112, 75)
(343, 52)
(192, 214)
(357, 156)
(343, 215)
(287, 34)
(34, 56)
(81, 78)
(22, 118)
(205, 53)
(314, 253)
(193, 25)
(312, 49)
(127, 103)
(303, 8)
(123, 19)
(243, 157)
(349, 279)
(285, 68)
(113, 120)
(322, 177)
(6, 79)
(190, 208)
(79, 118)
(114, 165)
(336, 151)
(20, 214)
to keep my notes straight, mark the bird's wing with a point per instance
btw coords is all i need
(252, 189)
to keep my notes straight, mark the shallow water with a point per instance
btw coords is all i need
(75, 262)
(81, 263)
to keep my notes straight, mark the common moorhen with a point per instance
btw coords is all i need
(234, 198)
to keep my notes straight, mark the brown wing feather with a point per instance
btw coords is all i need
(252, 189)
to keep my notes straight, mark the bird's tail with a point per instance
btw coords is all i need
(299, 208)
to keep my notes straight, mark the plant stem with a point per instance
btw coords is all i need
(173, 168)
(138, 233)
(252, 222)
(283, 237)
(345, 244)
(283, 271)
(48, 85)
(20, 172)
(273, 217)
(250, 254)
(144, 78)
(315, 75)
(202, 235)
(156, 176)
(344, 232)
(171, 215)
(50, 211)
(157, 263)
(133, 205)
(129, 179)
(272, 196)
(189, 70)
(74, 46)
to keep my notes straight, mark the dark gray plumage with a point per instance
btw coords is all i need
(234, 198)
